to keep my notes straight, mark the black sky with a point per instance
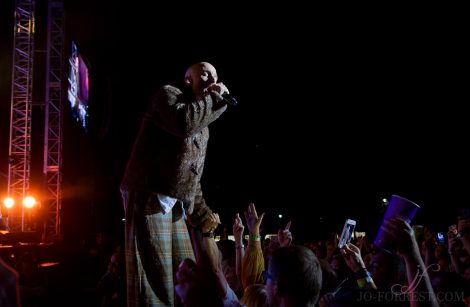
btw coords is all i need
(336, 110)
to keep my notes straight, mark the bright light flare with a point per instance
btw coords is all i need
(29, 201)
(9, 202)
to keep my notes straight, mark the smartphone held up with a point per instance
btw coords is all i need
(347, 233)
(440, 238)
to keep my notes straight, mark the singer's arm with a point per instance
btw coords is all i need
(178, 116)
(220, 88)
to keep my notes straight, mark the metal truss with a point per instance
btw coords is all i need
(53, 116)
(21, 110)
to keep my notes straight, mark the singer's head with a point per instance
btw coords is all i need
(200, 76)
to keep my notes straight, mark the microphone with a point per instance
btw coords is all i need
(230, 99)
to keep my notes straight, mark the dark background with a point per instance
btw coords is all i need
(338, 108)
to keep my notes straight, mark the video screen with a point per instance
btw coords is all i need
(78, 91)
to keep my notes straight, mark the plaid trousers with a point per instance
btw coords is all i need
(155, 245)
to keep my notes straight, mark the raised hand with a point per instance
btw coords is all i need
(211, 223)
(401, 235)
(253, 222)
(285, 236)
(352, 256)
(238, 229)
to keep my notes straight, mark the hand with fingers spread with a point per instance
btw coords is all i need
(253, 262)
(285, 236)
(253, 222)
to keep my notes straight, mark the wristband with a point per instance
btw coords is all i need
(239, 246)
(254, 238)
(363, 273)
(209, 234)
(363, 282)
(363, 278)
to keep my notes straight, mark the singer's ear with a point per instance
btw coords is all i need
(187, 81)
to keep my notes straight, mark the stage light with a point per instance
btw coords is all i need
(9, 202)
(29, 201)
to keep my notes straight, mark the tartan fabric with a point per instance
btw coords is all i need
(155, 245)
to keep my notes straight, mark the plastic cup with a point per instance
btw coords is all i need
(398, 207)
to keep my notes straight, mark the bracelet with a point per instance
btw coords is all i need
(209, 234)
(254, 238)
(363, 273)
(363, 282)
(239, 246)
(363, 278)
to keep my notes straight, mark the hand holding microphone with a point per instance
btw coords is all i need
(222, 90)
